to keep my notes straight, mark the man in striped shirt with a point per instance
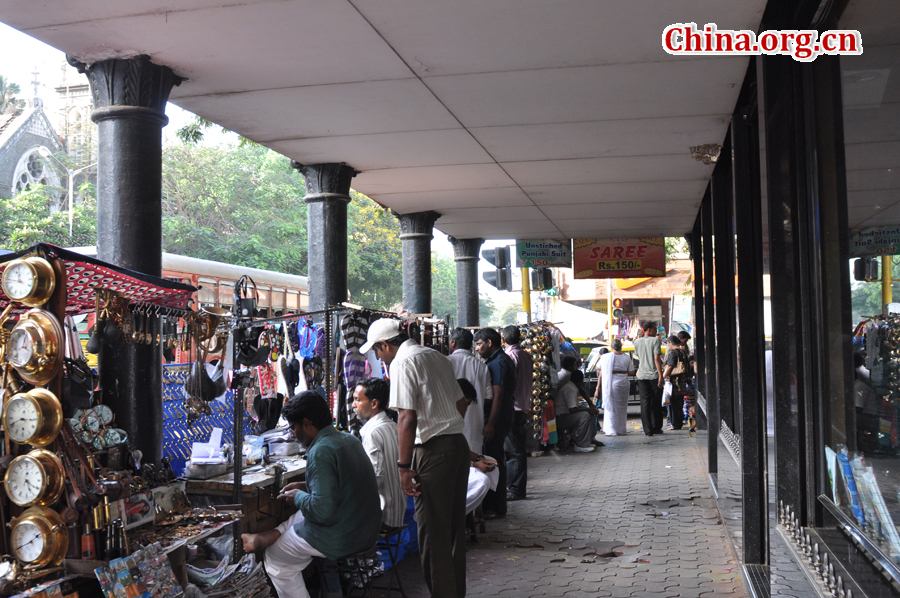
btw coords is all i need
(379, 438)
(434, 455)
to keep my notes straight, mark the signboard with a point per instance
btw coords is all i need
(875, 240)
(620, 258)
(544, 253)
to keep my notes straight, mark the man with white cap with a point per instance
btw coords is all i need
(434, 455)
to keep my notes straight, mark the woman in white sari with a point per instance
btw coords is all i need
(613, 370)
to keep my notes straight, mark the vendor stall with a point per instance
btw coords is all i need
(82, 511)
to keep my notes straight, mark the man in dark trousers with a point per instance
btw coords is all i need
(434, 455)
(517, 464)
(498, 417)
(650, 379)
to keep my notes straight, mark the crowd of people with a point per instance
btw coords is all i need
(458, 446)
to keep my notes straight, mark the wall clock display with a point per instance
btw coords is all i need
(35, 479)
(35, 347)
(33, 417)
(39, 538)
(29, 280)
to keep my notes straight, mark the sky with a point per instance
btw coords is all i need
(21, 55)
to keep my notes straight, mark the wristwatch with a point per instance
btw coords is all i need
(404, 465)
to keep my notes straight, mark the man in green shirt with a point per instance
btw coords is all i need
(338, 508)
(650, 379)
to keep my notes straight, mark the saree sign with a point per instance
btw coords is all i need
(620, 258)
(544, 253)
(875, 240)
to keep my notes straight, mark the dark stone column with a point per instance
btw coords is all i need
(129, 97)
(327, 196)
(465, 253)
(415, 236)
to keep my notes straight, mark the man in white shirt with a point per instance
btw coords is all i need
(379, 437)
(434, 454)
(466, 365)
(572, 416)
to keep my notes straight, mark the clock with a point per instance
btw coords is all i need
(39, 538)
(35, 347)
(35, 479)
(29, 280)
(104, 413)
(33, 417)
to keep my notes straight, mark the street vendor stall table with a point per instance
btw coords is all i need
(259, 491)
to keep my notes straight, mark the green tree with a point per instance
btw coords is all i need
(26, 219)
(241, 206)
(373, 254)
(8, 100)
(865, 297)
(443, 286)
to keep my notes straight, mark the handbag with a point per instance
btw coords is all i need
(679, 367)
(78, 377)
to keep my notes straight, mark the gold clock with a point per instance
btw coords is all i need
(35, 347)
(39, 538)
(35, 479)
(33, 417)
(29, 280)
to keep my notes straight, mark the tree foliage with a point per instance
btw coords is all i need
(26, 219)
(8, 100)
(241, 206)
(373, 254)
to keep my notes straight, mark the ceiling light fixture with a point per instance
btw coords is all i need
(708, 153)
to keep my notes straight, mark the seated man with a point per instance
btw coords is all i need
(379, 438)
(572, 416)
(339, 514)
(483, 474)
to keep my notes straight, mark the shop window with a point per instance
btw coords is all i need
(862, 451)
(207, 294)
(226, 293)
(292, 301)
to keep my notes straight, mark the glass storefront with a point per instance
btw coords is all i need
(863, 461)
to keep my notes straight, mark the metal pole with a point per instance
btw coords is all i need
(526, 293)
(71, 201)
(887, 280)
(608, 309)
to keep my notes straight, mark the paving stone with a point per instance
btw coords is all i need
(602, 501)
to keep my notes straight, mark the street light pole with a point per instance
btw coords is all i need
(46, 153)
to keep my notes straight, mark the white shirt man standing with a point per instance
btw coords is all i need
(434, 454)
(467, 366)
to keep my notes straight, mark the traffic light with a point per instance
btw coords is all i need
(501, 277)
(618, 312)
(866, 269)
(541, 279)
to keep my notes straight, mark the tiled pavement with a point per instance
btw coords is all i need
(634, 518)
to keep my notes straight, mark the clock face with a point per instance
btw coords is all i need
(90, 421)
(21, 419)
(104, 413)
(27, 542)
(24, 480)
(19, 281)
(20, 347)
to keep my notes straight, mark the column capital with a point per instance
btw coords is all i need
(465, 249)
(326, 181)
(416, 224)
(128, 88)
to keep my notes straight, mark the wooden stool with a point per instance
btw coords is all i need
(392, 548)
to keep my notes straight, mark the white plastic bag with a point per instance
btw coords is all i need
(667, 393)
